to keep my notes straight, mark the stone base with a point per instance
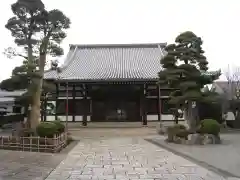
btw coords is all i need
(162, 130)
(197, 139)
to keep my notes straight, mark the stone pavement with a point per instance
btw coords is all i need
(15, 165)
(127, 158)
(223, 157)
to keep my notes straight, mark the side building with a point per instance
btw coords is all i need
(106, 83)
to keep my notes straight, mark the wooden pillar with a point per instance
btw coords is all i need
(74, 102)
(144, 113)
(42, 110)
(56, 99)
(45, 108)
(159, 102)
(84, 120)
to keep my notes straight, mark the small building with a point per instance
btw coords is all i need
(7, 102)
(106, 83)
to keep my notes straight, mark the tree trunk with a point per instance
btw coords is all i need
(36, 103)
(30, 63)
(192, 116)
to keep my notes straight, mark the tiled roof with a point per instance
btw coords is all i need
(4, 93)
(111, 62)
(6, 99)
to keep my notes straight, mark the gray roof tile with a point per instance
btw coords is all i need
(6, 99)
(111, 62)
(17, 93)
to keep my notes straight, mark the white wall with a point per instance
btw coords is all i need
(63, 118)
(164, 117)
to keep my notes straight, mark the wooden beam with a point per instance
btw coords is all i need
(144, 113)
(159, 103)
(56, 99)
(45, 108)
(84, 120)
(74, 102)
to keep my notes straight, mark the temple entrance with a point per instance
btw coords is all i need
(116, 104)
(115, 111)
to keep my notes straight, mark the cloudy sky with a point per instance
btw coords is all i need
(143, 21)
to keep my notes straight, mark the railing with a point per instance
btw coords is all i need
(33, 143)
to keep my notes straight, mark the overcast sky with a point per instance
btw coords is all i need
(143, 21)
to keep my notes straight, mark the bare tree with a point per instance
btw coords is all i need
(233, 77)
(233, 92)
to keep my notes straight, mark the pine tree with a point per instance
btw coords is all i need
(185, 69)
(39, 32)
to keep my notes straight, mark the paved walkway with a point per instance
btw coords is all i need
(16, 165)
(223, 157)
(126, 158)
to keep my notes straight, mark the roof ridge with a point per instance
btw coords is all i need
(68, 62)
(118, 45)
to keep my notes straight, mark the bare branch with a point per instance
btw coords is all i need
(233, 78)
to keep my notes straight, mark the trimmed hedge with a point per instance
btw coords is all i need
(209, 126)
(47, 129)
(177, 130)
(60, 126)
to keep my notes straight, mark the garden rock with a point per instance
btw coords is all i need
(211, 139)
(194, 139)
(162, 130)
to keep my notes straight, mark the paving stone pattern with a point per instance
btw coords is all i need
(16, 165)
(127, 158)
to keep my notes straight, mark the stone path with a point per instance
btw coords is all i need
(16, 165)
(127, 158)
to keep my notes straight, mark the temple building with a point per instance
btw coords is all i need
(105, 83)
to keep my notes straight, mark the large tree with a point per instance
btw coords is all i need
(40, 33)
(53, 24)
(185, 70)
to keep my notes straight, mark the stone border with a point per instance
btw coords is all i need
(69, 147)
(216, 170)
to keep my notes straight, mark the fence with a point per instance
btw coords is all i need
(33, 143)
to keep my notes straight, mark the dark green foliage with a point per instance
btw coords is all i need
(209, 126)
(60, 126)
(185, 70)
(47, 129)
(182, 133)
(211, 111)
(176, 130)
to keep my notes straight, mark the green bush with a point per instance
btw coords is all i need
(60, 126)
(209, 126)
(46, 129)
(178, 130)
(182, 133)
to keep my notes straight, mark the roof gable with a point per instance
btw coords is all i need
(111, 62)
